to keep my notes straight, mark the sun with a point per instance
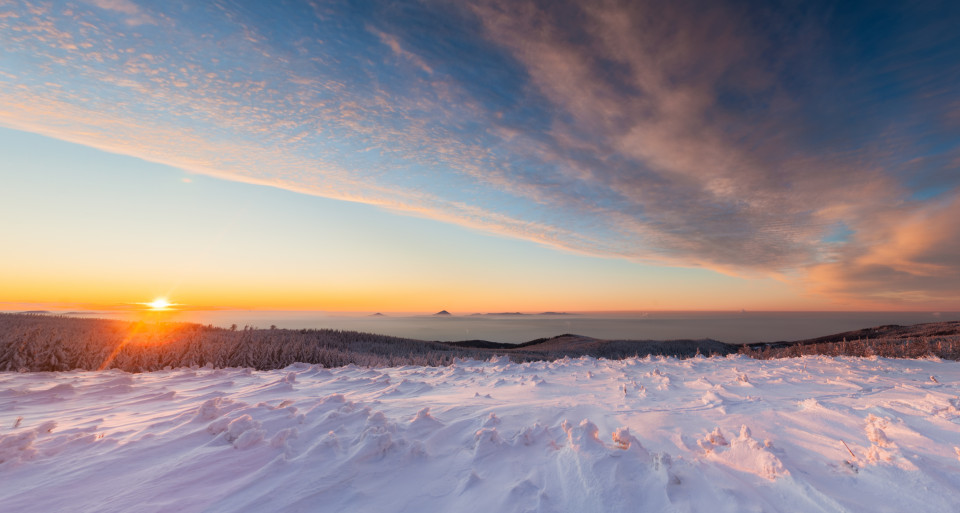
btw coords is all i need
(160, 303)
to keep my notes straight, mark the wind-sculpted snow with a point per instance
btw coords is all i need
(811, 434)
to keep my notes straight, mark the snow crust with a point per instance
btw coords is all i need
(714, 435)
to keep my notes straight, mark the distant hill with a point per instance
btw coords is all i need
(889, 331)
(442, 313)
(378, 314)
(575, 346)
(940, 339)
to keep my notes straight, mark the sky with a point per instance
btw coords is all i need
(480, 155)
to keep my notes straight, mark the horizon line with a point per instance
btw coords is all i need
(134, 308)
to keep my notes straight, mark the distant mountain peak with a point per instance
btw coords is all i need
(378, 314)
(443, 312)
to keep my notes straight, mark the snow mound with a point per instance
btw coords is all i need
(743, 453)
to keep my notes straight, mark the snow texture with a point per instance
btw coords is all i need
(813, 434)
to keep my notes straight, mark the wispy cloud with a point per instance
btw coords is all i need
(714, 163)
(397, 49)
(906, 254)
(134, 14)
(703, 134)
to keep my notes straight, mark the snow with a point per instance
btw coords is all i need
(715, 435)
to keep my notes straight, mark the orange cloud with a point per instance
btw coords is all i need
(903, 258)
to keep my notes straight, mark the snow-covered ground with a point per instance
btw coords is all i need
(713, 435)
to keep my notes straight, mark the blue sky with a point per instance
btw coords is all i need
(759, 153)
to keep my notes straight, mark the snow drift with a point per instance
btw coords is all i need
(703, 434)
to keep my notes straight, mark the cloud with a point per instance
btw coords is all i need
(640, 83)
(714, 164)
(397, 49)
(706, 134)
(135, 15)
(905, 255)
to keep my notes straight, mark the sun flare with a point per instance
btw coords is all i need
(160, 303)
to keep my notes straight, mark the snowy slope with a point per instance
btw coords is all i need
(724, 434)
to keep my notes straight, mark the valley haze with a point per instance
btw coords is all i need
(734, 327)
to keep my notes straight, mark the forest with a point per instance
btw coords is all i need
(40, 342)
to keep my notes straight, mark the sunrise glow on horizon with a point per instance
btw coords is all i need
(159, 304)
(480, 156)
